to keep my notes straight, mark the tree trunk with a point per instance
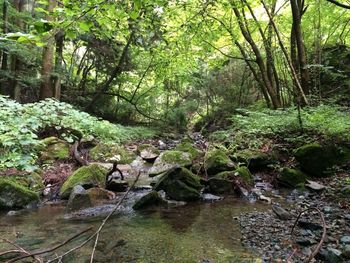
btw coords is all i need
(297, 11)
(4, 60)
(47, 84)
(58, 63)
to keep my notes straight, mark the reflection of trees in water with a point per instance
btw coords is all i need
(181, 218)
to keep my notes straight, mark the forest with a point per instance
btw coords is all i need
(192, 131)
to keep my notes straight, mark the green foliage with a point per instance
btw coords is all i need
(19, 125)
(252, 129)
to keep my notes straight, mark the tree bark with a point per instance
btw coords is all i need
(58, 63)
(4, 60)
(297, 36)
(47, 84)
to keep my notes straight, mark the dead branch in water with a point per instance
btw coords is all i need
(19, 250)
(319, 245)
(33, 254)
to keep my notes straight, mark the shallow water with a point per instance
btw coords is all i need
(198, 232)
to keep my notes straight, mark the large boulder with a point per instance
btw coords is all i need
(180, 184)
(217, 161)
(150, 199)
(255, 160)
(186, 146)
(15, 195)
(78, 199)
(220, 186)
(316, 159)
(168, 160)
(86, 176)
(103, 152)
(148, 152)
(245, 175)
(32, 181)
(292, 177)
(53, 149)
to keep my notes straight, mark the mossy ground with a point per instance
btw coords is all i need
(103, 152)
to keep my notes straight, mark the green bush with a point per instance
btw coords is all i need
(19, 125)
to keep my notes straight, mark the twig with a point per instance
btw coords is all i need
(20, 250)
(49, 249)
(318, 247)
(109, 215)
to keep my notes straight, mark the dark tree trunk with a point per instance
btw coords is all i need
(4, 89)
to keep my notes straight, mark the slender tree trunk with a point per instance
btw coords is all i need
(47, 84)
(297, 11)
(4, 60)
(58, 63)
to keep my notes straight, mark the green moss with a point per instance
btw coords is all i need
(244, 173)
(292, 177)
(317, 160)
(92, 175)
(15, 195)
(180, 184)
(152, 198)
(103, 152)
(186, 146)
(53, 148)
(253, 159)
(32, 181)
(217, 161)
(142, 147)
(176, 157)
(226, 175)
(220, 186)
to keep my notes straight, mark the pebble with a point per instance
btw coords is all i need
(345, 239)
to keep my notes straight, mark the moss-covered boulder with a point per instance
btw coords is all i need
(220, 186)
(292, 177)
(103, 152)
(217, 161)
(180, 184)
(317, 160)
(244, 173)
(255, 160)
(187, 146)
(15, 195)
(150, 199)
(168, 160)
(86, 176)
(31, 181)
(78, 199)
(148, 152)
(52, 149)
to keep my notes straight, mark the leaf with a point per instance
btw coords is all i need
(134, 15)
(84, 26)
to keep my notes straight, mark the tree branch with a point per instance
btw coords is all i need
(339, 4)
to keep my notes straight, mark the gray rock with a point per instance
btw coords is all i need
(346, 251)
(345, 190)
(117, 185)
(78, 199)
(168, 160)
(210, 198)
(333, 255)
(150, 199)
(220, 186)
(345, 239)
(281, 212)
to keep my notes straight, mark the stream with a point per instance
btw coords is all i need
(196, 232)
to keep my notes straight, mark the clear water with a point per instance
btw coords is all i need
(198, 232)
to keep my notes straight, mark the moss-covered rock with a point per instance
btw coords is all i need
(317, 160)
(168, 160)
(226, 175)
(148, 152)
(254, 159)
(15, 195)
(187, 146)
(52, 149)
(244, 173)
(220, 186)
(103, 152)
(31, 181)
(86, 176)
(292, 177)
(217, 161)
(150, 199)
(180, 184)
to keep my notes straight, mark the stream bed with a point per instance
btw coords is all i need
(196, 232)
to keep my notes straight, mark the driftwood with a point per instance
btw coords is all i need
(33, 254)
(319, 245)
(76, 154)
